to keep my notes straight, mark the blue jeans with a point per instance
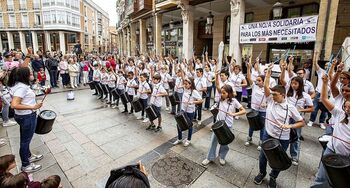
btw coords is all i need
(316, 108)
(5, 111)
(173, 108)
(144, 106)
(262, 116)
(179, 132)
(294, 148)
(262, 158)
(321, 180)
(212, 150)
(53, 78)
(207, 100)
(27, 124)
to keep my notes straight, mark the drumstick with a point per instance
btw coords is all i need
(341, 139)
(44, 97)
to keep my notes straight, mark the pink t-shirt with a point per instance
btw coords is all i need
(9, 65)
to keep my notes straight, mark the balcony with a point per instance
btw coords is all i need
(145, 5)
(25, 25)
(36, 6)
(164, 4)
(10, 8)
(131, 8)
(23, 7)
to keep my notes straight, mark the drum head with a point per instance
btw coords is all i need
(336, 161)
(270, 144)
(252, 114)
(47, 114)
(325, 138)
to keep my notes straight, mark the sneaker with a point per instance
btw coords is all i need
(151, 127)
(187, 143)
(222, 161)
(35, 158)
(205, 109)
(158, 129)
(259, 178)
(272, 182)
(310, 123)
(114, 107)
(139, 118)
(322, 126)
(31, 168)
(205, 162)
(258, 148)
(145, 120)
(295, 162)
(248, 142)
(177, 142)
(236, 117)
(199, 122)
(167, 109)
(9, 123)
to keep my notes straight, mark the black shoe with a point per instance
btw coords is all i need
(94, 94)
(131, 112)
(272, 182)
(259, 178)
(125, 111)
(301, 138)
(158, 129)
(104, 98)
(108, 102)
(150, 127)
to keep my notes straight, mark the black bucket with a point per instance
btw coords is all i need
(45, 121)
(152, 113)
(125, 98)
(136, 104)
(92, 85)
(293, 136)
(171, 85)
(338, 169)
(324, 140)
(183, 123)
(174, 99)
(223, 132)
(322, 107)
(11, 113)
(214, 110)
(114, 93)
(255, 120)
(276, 156)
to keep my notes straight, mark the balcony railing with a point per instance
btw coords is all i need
(10, 8)
(12, 25)
(131, 8)
(46, 4)
(36, 6)
(166, 3)
(145, 5)
(23, 7)
(25, 25)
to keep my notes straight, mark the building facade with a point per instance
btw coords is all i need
(181, 27)
(53, 25)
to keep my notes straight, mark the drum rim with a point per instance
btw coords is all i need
(334, 155)
(252, 112)
(46, 111)
(268, 140)
(324, 135)
(214, 128)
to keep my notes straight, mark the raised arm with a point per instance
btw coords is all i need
(267, 81)
(334, 81)
(283, 72)
(324, 94)
(249, 73)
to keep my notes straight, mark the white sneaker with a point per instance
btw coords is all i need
(236, 117)
(222, 161)
(9, 123)
(247, 143)
(145, 120)
(35, 158)
(187, 143)
(139, 118)
(177, 142)
(31, 168)
(205, 162)
(199, 122)
(114, 106)
(167, 109)
(295, 162)
(310, 123)
(258, 148)
(322, 126)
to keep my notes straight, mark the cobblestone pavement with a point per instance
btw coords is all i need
(89, 139)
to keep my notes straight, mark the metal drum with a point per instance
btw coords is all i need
(45, 121)
(324, 139)
(254, 120)
(276, 156)
(124, 97)
(152, 112)
(114, 93)
(223, 133)
(136, 104)
(182, 120)
(171, 84)
(214, 109)
(174, 99)
(338, 169)
(322, 107)
(293, 136)
(92, 85)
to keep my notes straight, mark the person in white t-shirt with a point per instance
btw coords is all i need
(131, 86)
(190, 98)
(340, 140)
(25, 106)
(120, 85)
(210, 78)
(201, 86)
(227, 111)
(278, 114)
(156, 101)
(179, 89)
(143, 90)
(111, 86)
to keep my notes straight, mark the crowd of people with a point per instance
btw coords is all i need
(281, 104)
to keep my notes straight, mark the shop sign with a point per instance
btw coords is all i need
(301, 29)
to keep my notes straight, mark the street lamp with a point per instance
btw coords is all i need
(277, 9)
(137, 31)
(210, 18)
(171, 24)
(149, 28)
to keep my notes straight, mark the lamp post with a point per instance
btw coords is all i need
(277, 10)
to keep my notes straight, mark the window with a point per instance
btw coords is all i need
(69, 18)
(72, 38)
(46, 3)
(1, 22)
(311, 9)
(47, 17)
(68, 2)
(25, 21)
(86, 38)
(53, 2)
(301, 10)
(36, 4)
(61, 17)
(60, 2)
(227, 29)
(23, 5)
(10, 6)
(53, 16)
(294, 12)
(249, 17)
(37, 20)
(12, 20)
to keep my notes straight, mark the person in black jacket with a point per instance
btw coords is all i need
(51, 65)
(37, 63)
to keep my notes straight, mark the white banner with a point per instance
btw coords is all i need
(301, 29)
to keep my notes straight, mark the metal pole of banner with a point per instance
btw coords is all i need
(341, 48)
(329, 64)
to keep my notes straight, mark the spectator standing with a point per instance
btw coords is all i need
(64, 71)
(73, 71)
(37, 63)
(52, 66)
(42, 77)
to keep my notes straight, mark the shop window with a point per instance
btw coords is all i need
(249, 17)
(311, 9)
(227, 29)
(294, 12)
(301, 10)
(72, 38)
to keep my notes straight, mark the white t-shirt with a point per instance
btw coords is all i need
(104, 78)
(225, 106)
(209, 76)
(200, 83)
(320, 72)
(157, 101)
(218, 94)
(129, 90)
(258, 98)
(111, 80)
(165, 79)
(120, 82)
(340, 130)
(237, 80)
(195, 95)
(301, 103)
(97, 75)
(278, 114)
(178, 85)
(27, 95)
(143, 86)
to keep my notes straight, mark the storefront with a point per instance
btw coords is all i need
(172, 39)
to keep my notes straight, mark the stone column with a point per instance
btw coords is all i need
(62, 42)
(123, 41)
(128, 41)
(133, 45)
(237, 18)
(143, 36)
(331, 28)
(48, 41)
(188, 25)
(1, 47)
(158, 33)
(10, 40)
(22, 40)
(35, 42)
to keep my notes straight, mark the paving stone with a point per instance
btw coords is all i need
(92, 149)
(64, 136)
(3, 132)
(80, 138)
(103, 159)
(209, 180)
(74, 148)
(65, 160)
(104, 136)
(48, 137)
(120, 146)
(86, 162)
(75, 173)
(13, 131)
(52, 170)
(70, 128)
(47, 161)
(55, 146)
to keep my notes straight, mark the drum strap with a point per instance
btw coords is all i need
(285, 121)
